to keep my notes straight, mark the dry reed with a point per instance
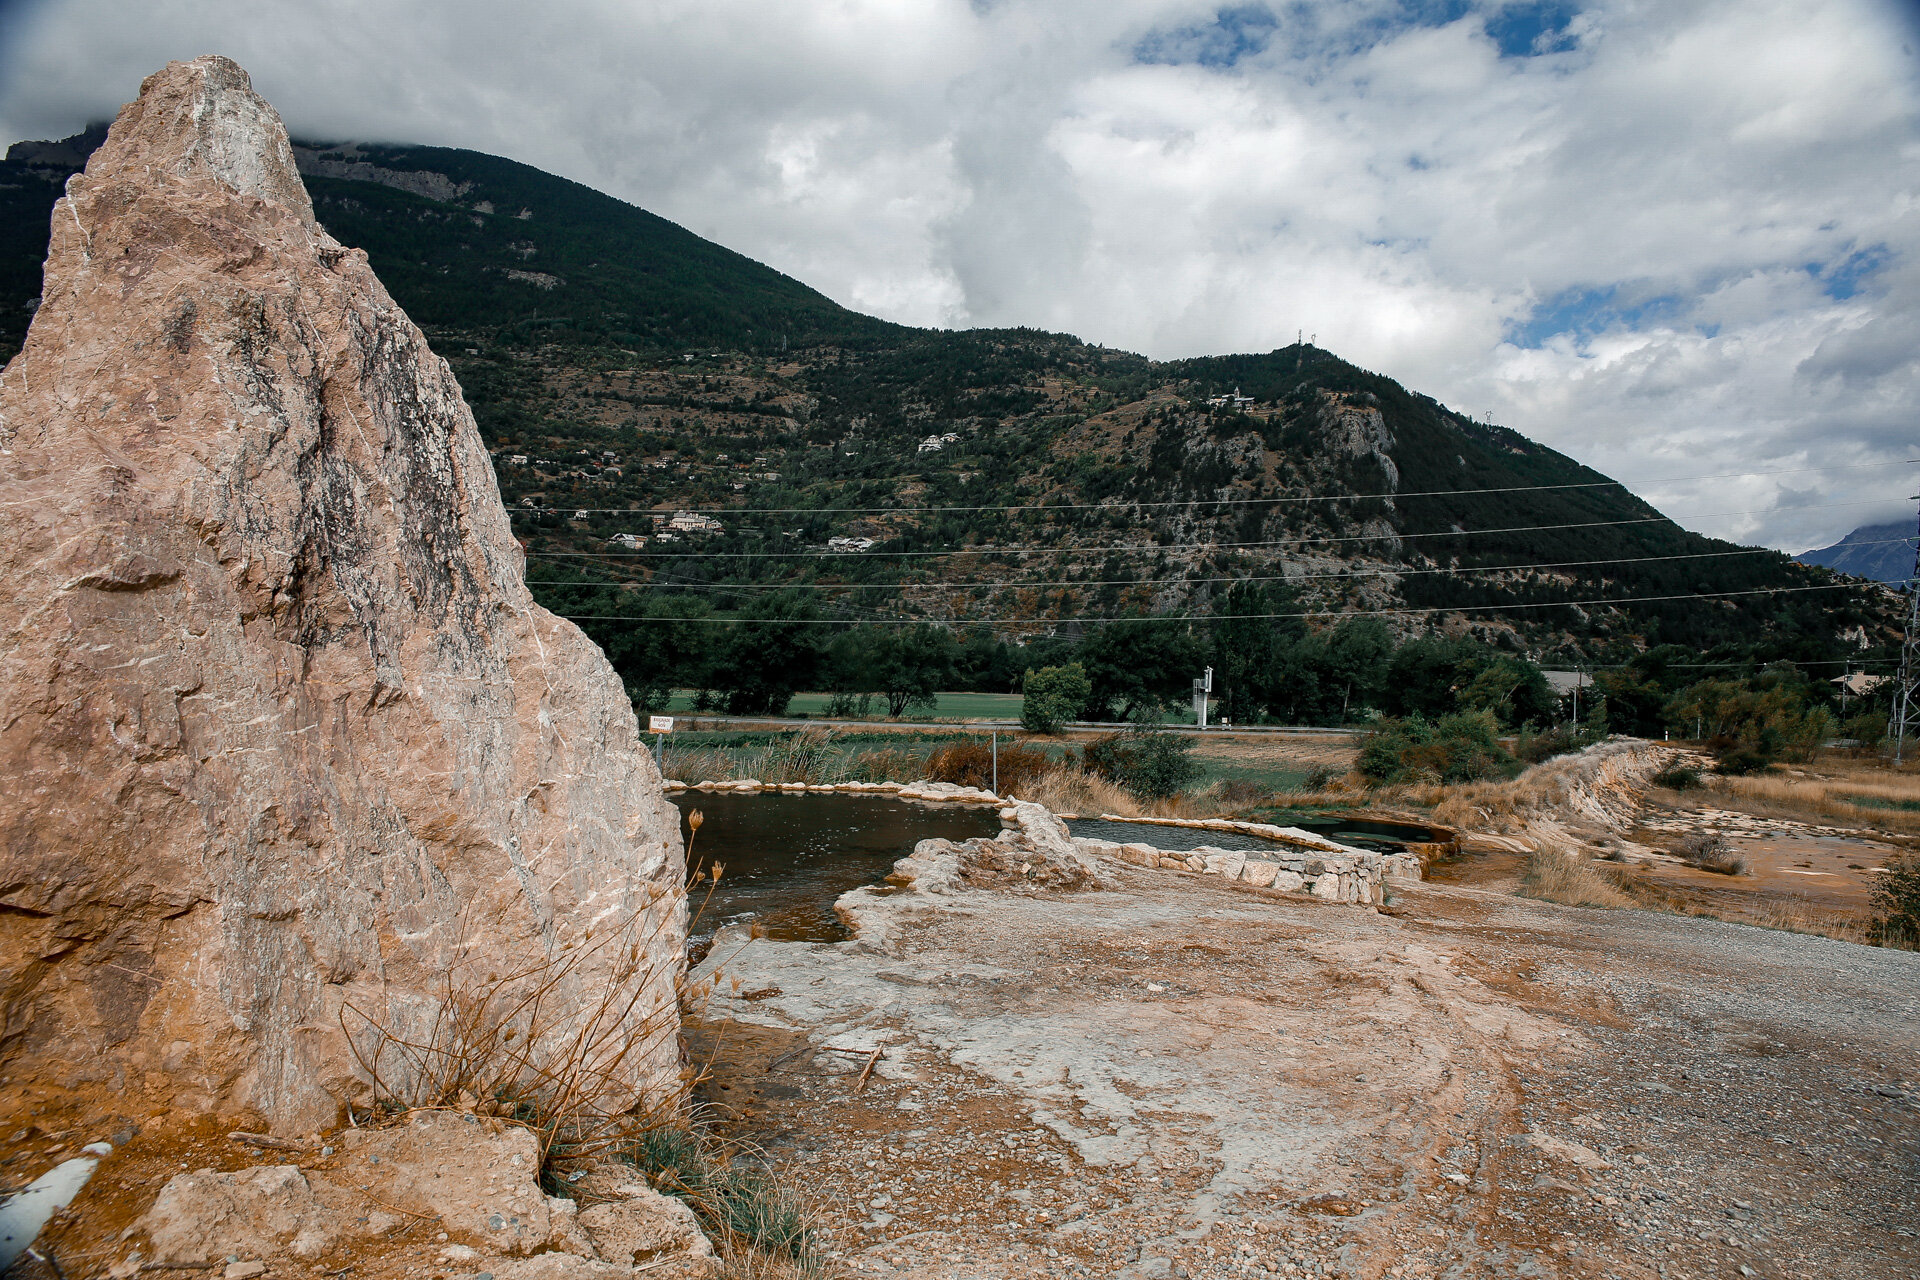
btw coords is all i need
(1833, 800)
(530, 1045)
(1554, 875)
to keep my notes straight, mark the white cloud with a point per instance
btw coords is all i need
(1684, 238)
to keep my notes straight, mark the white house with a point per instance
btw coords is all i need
(631, 541)
(694, 522)
(849, 544)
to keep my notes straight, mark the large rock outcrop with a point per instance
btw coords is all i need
(287, 751)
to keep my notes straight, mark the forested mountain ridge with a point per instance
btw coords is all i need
(622, 368)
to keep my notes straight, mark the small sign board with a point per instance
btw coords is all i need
(659, 724)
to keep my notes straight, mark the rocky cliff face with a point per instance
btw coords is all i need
(286, 749)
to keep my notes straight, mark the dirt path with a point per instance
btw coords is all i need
(1179, 1078)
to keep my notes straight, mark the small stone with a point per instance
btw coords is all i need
(244, 1270)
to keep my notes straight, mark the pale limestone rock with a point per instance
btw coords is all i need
(1225, 863)
(1327, 886)
(643, 1228)
(1288, 881)
(281, 730)
(1258, 873)
(1572, 1152)
(561, 1266)
(254, 1213)
(478, 1177)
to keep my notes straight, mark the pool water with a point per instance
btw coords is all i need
(786, 857)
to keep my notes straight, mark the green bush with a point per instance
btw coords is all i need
(1678, 778)
(1151, 763)
(732, 1198)
(1897, 899)
(1456, 748)
(1054, 695)
(1741, 761)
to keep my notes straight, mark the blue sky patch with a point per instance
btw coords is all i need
(1582, 313)
(1235, 32)
(1531, 28)
(1842, 279)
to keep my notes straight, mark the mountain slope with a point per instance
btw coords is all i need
(620, 366)
(1883, 552)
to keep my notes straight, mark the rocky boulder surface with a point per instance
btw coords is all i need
(476, 1179)
(289, 758)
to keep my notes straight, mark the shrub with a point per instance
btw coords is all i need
(1709, 851)
(1897, 900)
(1679, 777)
(970, 764)
(1741, 761)
(1151, 763)
(1553, 875)
(1054, 695)
(1557, 741)
(737, 1201)
(1456, 748)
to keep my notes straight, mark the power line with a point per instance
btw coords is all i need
(1208, 502)
(1032, 549)
(1343, 575)
(1234, 617)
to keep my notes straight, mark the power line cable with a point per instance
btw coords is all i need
(1341, 575)
(1233, 617)
(1203, 502)
(1035, 549)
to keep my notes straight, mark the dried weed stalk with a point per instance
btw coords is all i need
(554, 1043)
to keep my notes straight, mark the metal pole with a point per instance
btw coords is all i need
(996, 762)
(1906, 707)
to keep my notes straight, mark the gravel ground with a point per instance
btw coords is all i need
(1183, 1078)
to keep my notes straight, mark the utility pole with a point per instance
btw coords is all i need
(1906, 706)
(1201, 688)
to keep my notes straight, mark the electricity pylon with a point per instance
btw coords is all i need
(1906, 698)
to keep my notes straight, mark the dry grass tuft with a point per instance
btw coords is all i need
(1069, 789)
(1554, 875)
(553, 1042)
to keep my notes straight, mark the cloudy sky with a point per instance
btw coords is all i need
(1673, 238)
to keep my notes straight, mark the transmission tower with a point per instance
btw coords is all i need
(1906, 697)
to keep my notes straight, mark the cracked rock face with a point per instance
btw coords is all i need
(287, 751)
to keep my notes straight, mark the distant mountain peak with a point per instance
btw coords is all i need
(1882, 552)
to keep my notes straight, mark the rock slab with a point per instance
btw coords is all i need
(287, 751)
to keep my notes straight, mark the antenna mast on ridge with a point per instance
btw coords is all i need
(1906, 698)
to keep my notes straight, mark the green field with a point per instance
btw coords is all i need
(951, 706)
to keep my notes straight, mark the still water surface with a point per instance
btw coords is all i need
(787, 857)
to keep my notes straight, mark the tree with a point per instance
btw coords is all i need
(1054, 695)
(1249, 649)
(772, 653)
(1138, 666)
(908, 665)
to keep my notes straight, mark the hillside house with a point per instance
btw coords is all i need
(1235, 401)
(933, 444)
(689, 522)
(849, 544)
(630, 541)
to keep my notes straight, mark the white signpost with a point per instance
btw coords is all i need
(1201, 688)
(659, 726)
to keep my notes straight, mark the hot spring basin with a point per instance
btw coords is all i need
(787, 856)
